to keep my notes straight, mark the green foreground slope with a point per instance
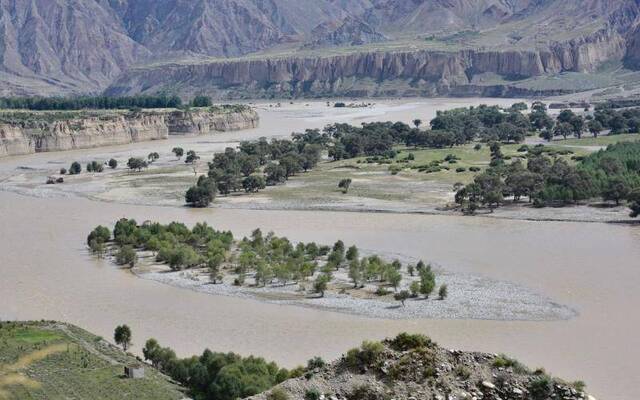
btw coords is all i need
(52, 360)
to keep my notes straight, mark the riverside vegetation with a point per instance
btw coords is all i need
(266, 259)
(538, 172)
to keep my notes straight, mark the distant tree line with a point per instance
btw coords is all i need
(103, 102)
(90, 102)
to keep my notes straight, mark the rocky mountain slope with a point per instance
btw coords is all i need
(411, 367)
(74, 46)
(33, 132)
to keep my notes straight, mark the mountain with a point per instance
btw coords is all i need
(239, 48)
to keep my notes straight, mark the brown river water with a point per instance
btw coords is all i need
(47, 273)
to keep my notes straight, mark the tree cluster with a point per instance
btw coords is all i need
(612, 174)
(219, 376)
(90, 102)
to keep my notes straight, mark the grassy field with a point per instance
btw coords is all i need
(376, 181)
(600, 140)
(48, 360)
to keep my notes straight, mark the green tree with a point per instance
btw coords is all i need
(137, 164)
(126, 255)
(616, 189)
(402, 296)
(427, 282)
(75, 168)
(192, 157)
(634, 202)
(113, 163)
(178, 151)
(122, 336)
(321, 283)
(344, 184)
(253, 183)
(352, 253)
(414, 288)
(355, 272)
(153, 157)
(201, 101)
(595, 127)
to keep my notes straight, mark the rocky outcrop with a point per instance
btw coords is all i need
(26, 133)
(411, 367)
(422, 73)
(180, 122)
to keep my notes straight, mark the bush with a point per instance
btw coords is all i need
(316, 362)
(541, 387)
(278, 394)
(460, 169)
(126, 255)
(365, 356)
(63, 171)
(406, 341)
(312, 394)
(477, 147)
(502, 361)
(339, 105)
(474, 169)
(75, 168)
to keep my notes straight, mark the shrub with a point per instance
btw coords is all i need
(316, 362)
(462, 372)
(113, 163)
(443, 292)
(312, 394)
(339, 105)
(541, 387)
(503, 361)
(63, 171)
(365, 356)
(278, 394)
(460, 169)
(75, 168)
(126, 255)
(394, 169)
(406, 341)
(381, 291)
(477, 147)
(474, 169)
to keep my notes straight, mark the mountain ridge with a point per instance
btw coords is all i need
(86, 46)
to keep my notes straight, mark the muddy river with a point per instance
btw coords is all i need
(46, 272)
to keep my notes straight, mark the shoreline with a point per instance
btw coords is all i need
(502, 213)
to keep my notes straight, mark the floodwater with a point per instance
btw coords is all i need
(46, 273)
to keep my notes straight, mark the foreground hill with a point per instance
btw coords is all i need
(312, 47)
(53, 360)
(412, 367)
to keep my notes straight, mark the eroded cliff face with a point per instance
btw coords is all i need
(41, 132)
(181, 122)
(424, 72)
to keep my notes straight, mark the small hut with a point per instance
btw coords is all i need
(134, 371)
